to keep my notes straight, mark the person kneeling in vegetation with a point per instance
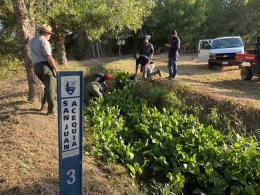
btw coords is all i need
(100, 78)
(97, 84)
(146, 66)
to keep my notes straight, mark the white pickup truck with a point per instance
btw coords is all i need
(222, 51)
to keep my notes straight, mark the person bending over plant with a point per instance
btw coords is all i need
(146, 67)
(97, 84)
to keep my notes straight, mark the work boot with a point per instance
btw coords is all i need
(43, 109)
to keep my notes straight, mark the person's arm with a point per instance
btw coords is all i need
(152, 52)
(178, 44)
(52, 63)
(105, 86)
(136, 66)
(47, 52)
(97, 79)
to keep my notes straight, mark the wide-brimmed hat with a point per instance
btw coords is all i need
(45, 28)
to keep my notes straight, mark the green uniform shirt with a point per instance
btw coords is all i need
(95, 76)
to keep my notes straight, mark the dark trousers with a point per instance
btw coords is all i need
(172, 67)
(44, 72)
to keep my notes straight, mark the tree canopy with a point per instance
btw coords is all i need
(117, 20)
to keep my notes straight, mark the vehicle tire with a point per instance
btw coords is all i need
(246, 73)
(213, 66)
(210, 65)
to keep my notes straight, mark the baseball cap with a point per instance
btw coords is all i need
(109, 76)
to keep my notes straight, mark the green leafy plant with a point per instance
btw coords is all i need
(171, 147)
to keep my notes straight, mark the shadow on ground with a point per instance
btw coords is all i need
(12, 104)
(30, 111)
(13, 95)
(240, 85)
(50, 186)
(197, 69)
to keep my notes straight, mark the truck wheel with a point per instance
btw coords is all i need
(210, 65)
(246, 73)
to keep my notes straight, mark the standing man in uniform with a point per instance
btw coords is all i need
(173, 54)
(44, 65)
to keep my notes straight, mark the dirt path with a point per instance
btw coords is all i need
(221, 84)
(29, 151)
(225, 83)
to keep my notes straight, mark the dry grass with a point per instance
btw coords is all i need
(29, 150)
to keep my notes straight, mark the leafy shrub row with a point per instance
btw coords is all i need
(170, 147)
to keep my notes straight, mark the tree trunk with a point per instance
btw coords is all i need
(119, 49)
(93, 50)
(59, 44)
(98, 53)
(81, 45)
(100, 49)
(26, 32)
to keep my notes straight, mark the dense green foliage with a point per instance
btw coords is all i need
(84, 24)
(203, 19)
(94, 17)
(173, 149)
(185, 16)
(85, 21)
(9, 43)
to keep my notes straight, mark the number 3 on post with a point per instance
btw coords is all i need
(72, 178)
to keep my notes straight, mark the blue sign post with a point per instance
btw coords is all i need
(70, 117)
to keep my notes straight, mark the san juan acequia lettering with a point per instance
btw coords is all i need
(70, 128)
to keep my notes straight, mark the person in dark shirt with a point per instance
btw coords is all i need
(147, 48)
(146, 66)
(173, 54)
